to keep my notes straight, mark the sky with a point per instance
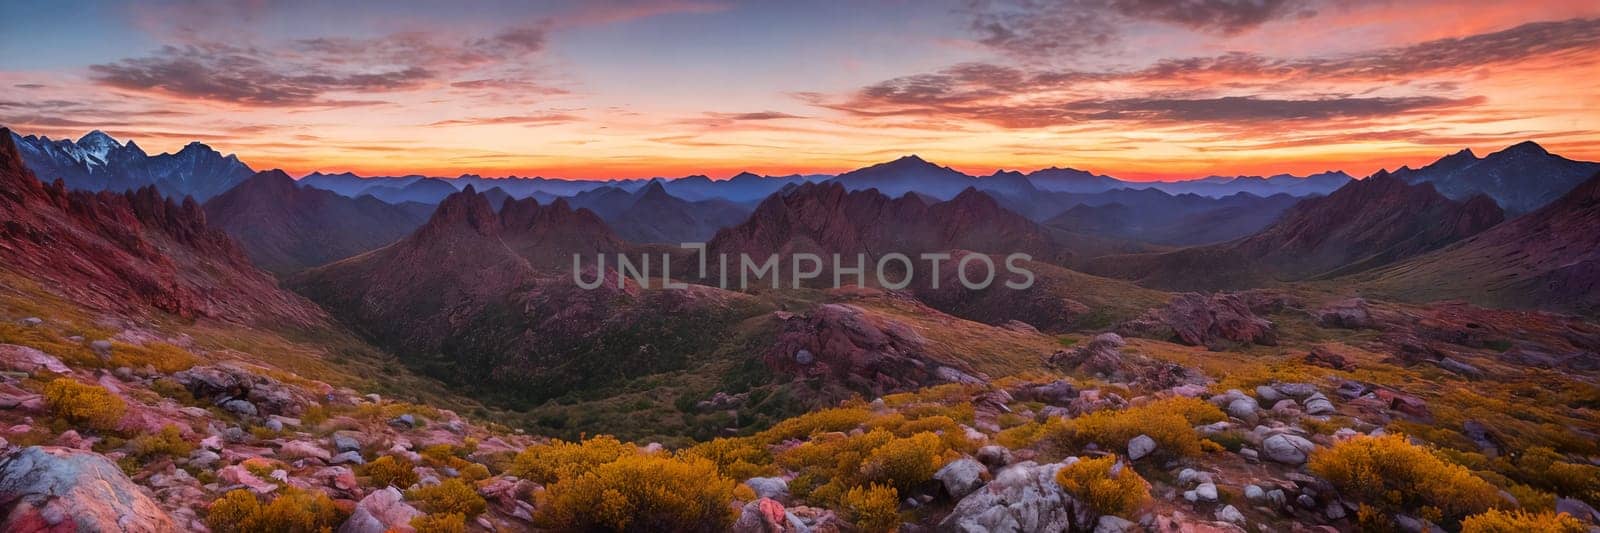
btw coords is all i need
(1139, 89)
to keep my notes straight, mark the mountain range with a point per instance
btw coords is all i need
(1521, 178)
(97, 162)
(286, 228)
(134, 252)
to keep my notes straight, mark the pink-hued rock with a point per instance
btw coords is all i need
(298, 449)
(57, 489)
(237, 475)
(25, 359)
(382, 511)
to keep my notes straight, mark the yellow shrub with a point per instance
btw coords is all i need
(166, 358)
(837, 419)
(475, 472)
(1544, 467)
(1391, 473)
(1496, 521)
(294, 510)
(79, 403)
(440, 523)
(873, 509)
(737, 458)
(391, 471)
(654, 492)
(560, 459)
(1018, 437)
(1170, 422)
(906, 462)
(168, 442)
(1092, 482)
(449, 496)
(828, 466)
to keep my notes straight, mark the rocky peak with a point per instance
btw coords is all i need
(465, 209)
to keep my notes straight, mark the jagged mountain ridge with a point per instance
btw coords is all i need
(133, 251)
(97, 162)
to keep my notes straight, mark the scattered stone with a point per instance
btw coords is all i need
(347, 458)
(961, 477)
(1206, 491)
(101, 349)
(297, 449)
(1243, 409)
(404, 421)
(31, 321)
(240, 407)
(204, 458)
(1231, 515)
(1296, 390)
(57, 489)
(1334, 511)
(1115, 524)
(345, 443)
(1287, 449)
(1140, 446)
(1324, 356)
(995, 457)
(1268, 394)
(1319, 405)
(1460, 368)
(1254, 493)
(1348, 314)
(383, 510)
(769, 487)
(1578, 509)
(275, 425)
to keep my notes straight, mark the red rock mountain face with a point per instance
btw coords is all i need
(1363, 225)
(285, 228)
(131, 252)
(486, 299)
(1548, 259)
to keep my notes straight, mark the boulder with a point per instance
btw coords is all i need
(769, 487)
(1230, 514)
(1140, 446)
(383, 510)
(1243, 409)
(1578, 509)
(1059, 392)
(1115, 524)
(1195, 319)
(995, 457)
(25, 359)
(1287, 449)
(766, 515)
(230, 381)
(1326, 357)
(1022, 497)
(298, 449)
(1352, 313)
(960, 477)
(58, 489)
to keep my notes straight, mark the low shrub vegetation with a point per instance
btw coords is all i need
(655, 492)
(1105, 485)
(562, 460)
(1393, 474)
(391, 471)
(293, 510)
(1169, 421)
(451, 496)
(1497, 521)
(873, 508)
(91, 406)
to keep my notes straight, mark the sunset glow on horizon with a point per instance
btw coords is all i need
(597, 90)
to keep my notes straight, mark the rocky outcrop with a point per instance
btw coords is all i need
(231, 382)
(383, 510)
(845, 344)
(1022, 497)
(60, 489)
(1213, 321)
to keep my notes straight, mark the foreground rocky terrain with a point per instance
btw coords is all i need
(1255, 411)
